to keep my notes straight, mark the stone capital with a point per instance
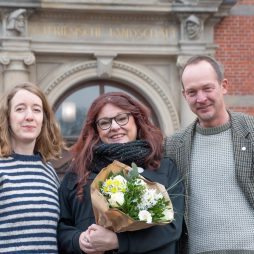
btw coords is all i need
(4, 59)
(27, 58)
(181, 60)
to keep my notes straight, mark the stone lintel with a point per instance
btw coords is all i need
(124, 6)
(90, 48)
(203, 48)
(16, 44)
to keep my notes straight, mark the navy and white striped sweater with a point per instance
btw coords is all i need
(29, 207)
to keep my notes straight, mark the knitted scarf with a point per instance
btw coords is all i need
(135, 151)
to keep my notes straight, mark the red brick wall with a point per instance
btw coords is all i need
(235, 38)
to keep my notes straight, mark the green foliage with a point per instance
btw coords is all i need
(132, 199)
(133, 174)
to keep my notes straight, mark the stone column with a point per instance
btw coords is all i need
(15, 67)
(16, 56)
(187, 116)
(194, 41)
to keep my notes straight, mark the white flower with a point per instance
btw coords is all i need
(141, 182)
(168, 214)
(114, 185)
(121, 179)
(145, 216)
(149, 199)
(116, 199)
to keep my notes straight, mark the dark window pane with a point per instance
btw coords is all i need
(72, 111)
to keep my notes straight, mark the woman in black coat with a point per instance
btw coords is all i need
(117, 128)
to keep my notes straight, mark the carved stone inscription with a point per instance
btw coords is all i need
(118, 33)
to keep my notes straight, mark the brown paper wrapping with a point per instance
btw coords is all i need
(112, 218)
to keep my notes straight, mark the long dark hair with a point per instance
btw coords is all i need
(83, 149)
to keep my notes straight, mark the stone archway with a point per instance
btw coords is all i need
(135, 78)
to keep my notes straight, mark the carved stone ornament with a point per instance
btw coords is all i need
(104, 67)
(5, 60)
(28, 58)
(104, 64)
(193, 27)
(16, 22)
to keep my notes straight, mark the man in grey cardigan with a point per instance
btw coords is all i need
(215, 155)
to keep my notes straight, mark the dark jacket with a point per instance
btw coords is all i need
(76, 216)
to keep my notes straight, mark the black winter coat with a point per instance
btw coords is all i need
(76, 216)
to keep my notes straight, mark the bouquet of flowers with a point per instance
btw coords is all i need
(123, 200)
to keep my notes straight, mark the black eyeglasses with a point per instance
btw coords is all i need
(106, 122)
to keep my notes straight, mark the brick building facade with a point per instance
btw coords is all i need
(234, 36)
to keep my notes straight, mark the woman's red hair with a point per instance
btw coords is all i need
(83, 149)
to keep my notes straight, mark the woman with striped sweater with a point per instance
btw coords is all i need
(29, 207)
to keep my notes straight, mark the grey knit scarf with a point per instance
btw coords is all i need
(135, 151)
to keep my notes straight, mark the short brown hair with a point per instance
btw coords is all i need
(217, 66)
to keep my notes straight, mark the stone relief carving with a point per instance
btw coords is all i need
(104, 64)
(16, 22)
(193, 27)
(104, 67)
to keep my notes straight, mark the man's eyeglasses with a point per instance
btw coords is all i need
(106, 122)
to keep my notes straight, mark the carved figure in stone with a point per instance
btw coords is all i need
(193, 27)
(16, 21)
